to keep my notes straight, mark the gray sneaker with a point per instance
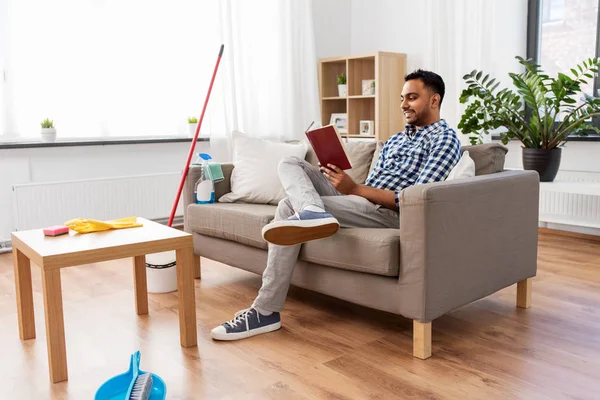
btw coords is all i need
(301, 227)
(246, 323)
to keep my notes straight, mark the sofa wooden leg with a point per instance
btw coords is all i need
(422, 340)
(197, 269)
(524, 293)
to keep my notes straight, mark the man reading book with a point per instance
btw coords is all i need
(320, 200)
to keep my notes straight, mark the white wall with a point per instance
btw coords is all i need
(87, 162)
(404, 26)
(332, 24)
(450, 38)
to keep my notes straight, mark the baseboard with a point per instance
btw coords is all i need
(177, 222)
(556, 232)
(5, 246)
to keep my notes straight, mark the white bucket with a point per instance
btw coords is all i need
(161, 272)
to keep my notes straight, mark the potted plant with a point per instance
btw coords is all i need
(192, 122)
(48, 132)
(341, 81)
(542, 113)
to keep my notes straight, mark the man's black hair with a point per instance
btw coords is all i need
(430, 80)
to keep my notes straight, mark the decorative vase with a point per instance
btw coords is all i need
(342, 90)
(48, 134)
(545, 162)
(192, 129)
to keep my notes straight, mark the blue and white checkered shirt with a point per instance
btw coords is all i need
(415, 157)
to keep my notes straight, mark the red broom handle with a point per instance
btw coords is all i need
(189, 157)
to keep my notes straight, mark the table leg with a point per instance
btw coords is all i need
(24, 292)
(55, 325)
(140, 284)
(197, 267)
(187, 300)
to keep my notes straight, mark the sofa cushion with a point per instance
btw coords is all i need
(376, 154)
(371, 250)
(360, 154)
(239, 222)
(255, 178)
(465, 168)
(488, 157)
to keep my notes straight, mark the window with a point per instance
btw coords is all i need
(105, 68)
(552, 10)
(562, 34)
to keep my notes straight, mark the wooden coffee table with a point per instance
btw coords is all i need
(53, 253)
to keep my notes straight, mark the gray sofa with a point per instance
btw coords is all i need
(458, 242)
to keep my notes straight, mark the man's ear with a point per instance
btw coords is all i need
(435, 100)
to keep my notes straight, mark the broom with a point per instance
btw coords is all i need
(191, 152)
(159, 261)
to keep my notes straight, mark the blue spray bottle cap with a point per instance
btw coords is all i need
(204, 156)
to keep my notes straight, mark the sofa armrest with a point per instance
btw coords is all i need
(221, 188)
(462, 240)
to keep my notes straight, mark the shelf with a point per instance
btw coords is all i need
(380, 108)
(362, 97)
(359, 110)
(328, 73)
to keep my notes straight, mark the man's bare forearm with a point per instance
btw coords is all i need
(386, 198)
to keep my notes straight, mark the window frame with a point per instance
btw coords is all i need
(534, 27)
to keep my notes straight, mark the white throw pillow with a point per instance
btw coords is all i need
(254, 178)
(465, 168)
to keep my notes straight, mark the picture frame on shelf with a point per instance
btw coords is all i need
(366, 128)
(340, 120)
(368, 87)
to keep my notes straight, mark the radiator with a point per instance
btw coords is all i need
(38, 205)
(572, 199)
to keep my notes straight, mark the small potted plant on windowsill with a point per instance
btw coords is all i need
(555, 112)
(192, 123)
(48, 132)
(342, 88)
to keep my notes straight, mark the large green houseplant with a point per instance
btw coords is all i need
(542, 112)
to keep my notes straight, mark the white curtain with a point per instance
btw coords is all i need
(269, 81)
(463, 35)
(140, 68)
(106, 67)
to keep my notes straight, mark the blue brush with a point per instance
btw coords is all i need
(134, 384)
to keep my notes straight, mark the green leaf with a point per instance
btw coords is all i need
(589, 76)
(574, 71)
(478, 76)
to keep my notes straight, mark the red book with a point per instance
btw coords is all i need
(328, 146)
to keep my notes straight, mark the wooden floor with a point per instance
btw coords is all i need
(326, 349)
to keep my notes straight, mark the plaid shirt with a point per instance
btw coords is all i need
(415, 157)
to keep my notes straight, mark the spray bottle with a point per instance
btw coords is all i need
(204, 191)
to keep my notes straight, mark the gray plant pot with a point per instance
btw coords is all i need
(545, 162)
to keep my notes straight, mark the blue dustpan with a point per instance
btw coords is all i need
(117, 387)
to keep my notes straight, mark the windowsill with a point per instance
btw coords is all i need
(589, 138)
(21, 143)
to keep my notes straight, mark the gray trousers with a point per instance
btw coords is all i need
(305, 185)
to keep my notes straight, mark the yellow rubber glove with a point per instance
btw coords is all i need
(83, 225)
